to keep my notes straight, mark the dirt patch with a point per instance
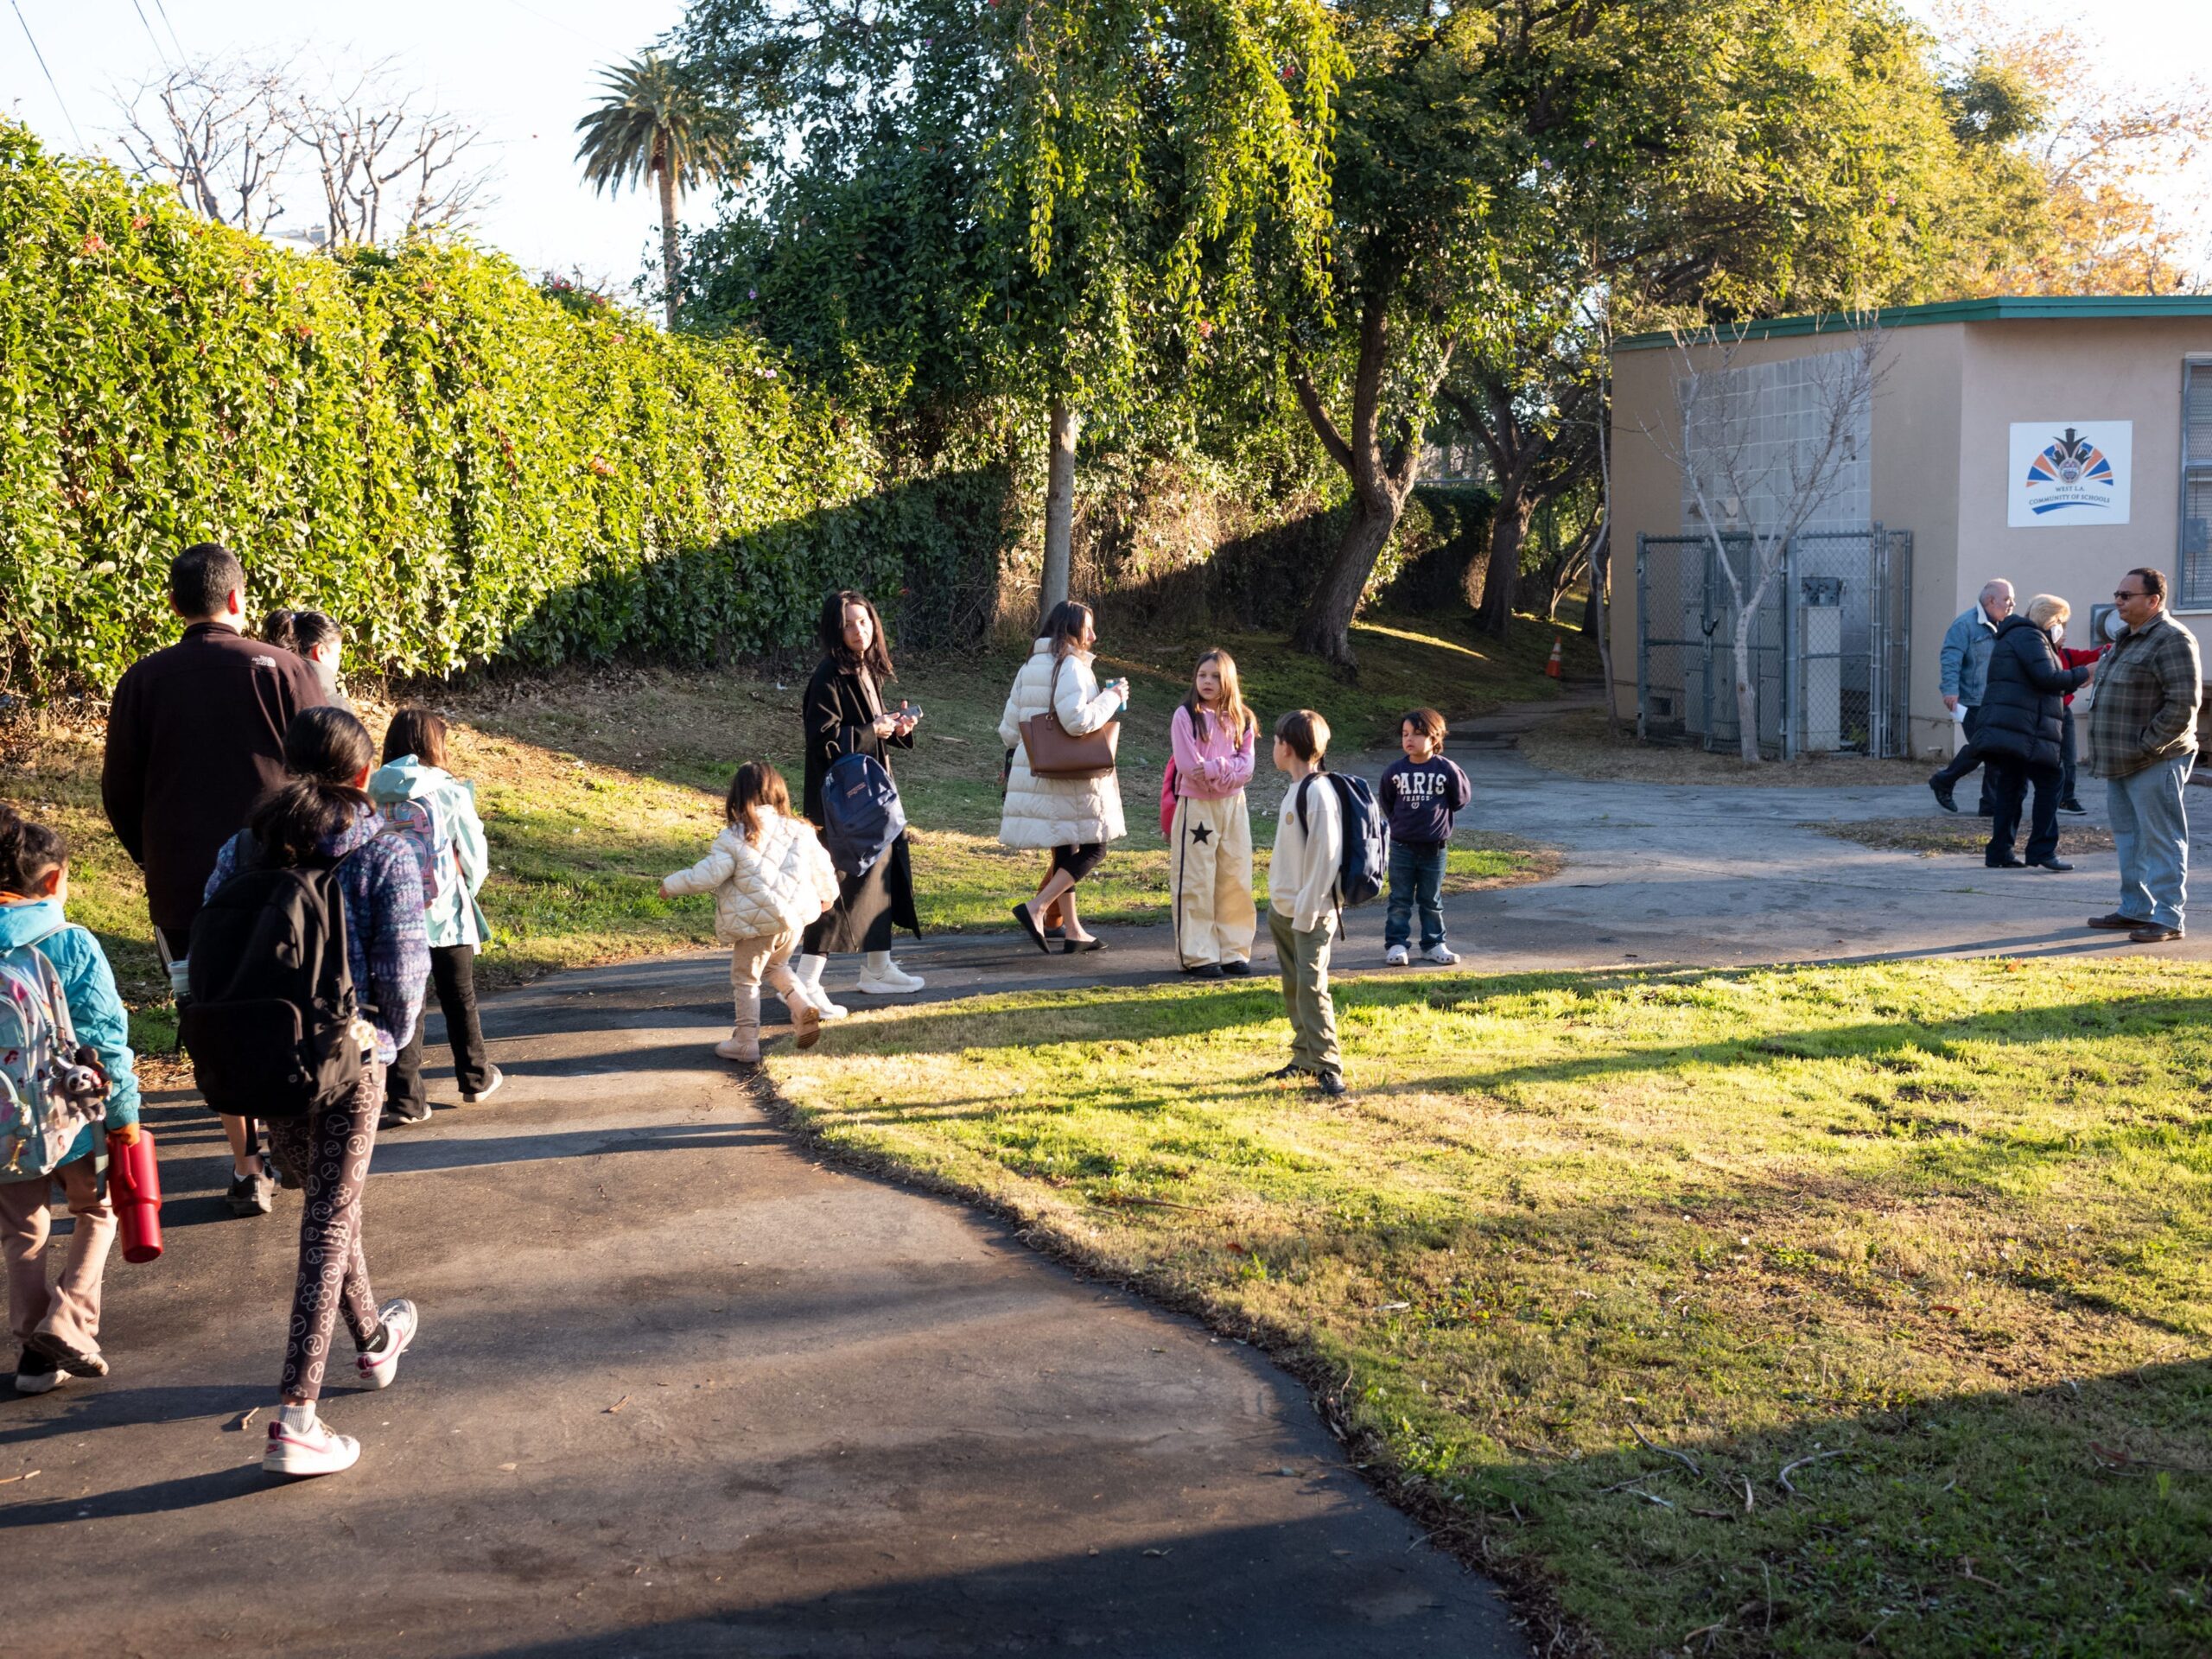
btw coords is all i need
(1577, 745)
(1962, 834)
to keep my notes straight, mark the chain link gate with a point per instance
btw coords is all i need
(1830, 643)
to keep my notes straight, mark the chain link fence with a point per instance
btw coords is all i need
(1830, 644)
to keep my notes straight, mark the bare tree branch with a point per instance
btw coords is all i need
(217, 132)
(387, 168)
(1762, 495)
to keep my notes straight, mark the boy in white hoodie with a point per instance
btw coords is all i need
(1302, 897)
(771, 877)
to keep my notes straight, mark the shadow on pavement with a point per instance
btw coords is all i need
(1279, 1591)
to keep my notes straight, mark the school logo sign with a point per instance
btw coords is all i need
(2069, 472)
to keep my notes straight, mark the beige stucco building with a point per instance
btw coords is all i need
(2055, 443)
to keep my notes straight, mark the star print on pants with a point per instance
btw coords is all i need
(1200, 834)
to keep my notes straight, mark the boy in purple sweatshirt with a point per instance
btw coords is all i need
(1419, 794)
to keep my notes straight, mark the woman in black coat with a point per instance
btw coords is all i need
(2022, 724)
(843, 714)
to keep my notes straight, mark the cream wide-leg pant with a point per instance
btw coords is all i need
(1210, 875)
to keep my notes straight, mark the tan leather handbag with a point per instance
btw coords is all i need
(1054, 752)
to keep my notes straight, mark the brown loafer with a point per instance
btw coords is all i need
(2120, 923)
(2154, 933)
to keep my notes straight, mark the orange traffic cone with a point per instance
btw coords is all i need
(1552, 667)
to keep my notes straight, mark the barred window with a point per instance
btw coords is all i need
(2196, 558)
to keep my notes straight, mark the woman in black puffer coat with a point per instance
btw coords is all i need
(2022, 723)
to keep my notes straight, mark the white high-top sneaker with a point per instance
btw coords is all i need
(807, 971)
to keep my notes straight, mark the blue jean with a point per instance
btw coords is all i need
(2149, 829)
(1416, 877)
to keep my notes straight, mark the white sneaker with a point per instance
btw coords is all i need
(807, 971)
(379, 1365)
(895, 980)
(486, 1092)
(1442, 955)
(315, 1450)
(1394, 957)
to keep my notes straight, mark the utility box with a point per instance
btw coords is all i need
(1819, 658)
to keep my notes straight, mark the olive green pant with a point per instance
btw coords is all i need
(1305, 999)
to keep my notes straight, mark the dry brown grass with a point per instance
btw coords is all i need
(1931, 837)
(1577, 745)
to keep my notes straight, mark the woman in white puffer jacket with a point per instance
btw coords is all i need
(771, 877)
(1073, 816)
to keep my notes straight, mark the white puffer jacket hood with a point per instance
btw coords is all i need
(783, 883)
(1058, 811)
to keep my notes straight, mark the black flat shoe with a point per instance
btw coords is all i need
(2075, 807)
(2003, 864)
(1236, 970)
(1069, 947)
(1029, 926)
(2052, 864)
(1293, 1069)
(1206, 970)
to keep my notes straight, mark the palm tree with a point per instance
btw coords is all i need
(653, 121)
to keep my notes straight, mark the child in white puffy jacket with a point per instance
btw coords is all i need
(770, 877)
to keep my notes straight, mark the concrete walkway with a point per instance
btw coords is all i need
(719, 1398)
(682, 1390)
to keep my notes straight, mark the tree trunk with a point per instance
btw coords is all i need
(1381, 481)
(1060, 510)
(666, 177)
(1508, 527)
(1325, 629)
(1747, 700)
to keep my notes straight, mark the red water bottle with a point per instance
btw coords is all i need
(134, 1186)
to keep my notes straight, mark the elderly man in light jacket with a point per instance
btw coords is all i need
(1966, 645)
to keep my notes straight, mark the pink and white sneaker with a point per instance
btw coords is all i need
(381, 1363)
(313, 1448)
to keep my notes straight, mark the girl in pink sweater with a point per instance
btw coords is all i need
(1209, 838)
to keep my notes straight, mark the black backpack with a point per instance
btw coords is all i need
(269, 1023)
(1364, 864)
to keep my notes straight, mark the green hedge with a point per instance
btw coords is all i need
(454, 464)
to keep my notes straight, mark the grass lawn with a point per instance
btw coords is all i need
(593, 786)
(1815, 1312)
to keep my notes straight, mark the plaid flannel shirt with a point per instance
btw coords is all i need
(2147, 687)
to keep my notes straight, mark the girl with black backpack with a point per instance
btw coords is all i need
(321, 819)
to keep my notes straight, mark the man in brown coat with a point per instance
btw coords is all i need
(195, 736)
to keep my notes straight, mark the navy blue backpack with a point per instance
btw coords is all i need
(1365, 862)
(860, 813)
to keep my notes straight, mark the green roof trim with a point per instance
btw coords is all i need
(2062, 307)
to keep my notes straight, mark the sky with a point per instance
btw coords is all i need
(524, 70)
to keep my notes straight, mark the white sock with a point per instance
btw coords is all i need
(878, 963)
(808, 969)
(297, 1420)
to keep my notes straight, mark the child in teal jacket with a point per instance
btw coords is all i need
(59, 1325)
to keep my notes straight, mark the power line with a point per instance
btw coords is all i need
(158, 50)
(182, 56)
(50, 81)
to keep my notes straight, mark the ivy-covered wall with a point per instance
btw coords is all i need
(454, 464)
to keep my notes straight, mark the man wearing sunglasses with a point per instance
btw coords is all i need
(2142, 743)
